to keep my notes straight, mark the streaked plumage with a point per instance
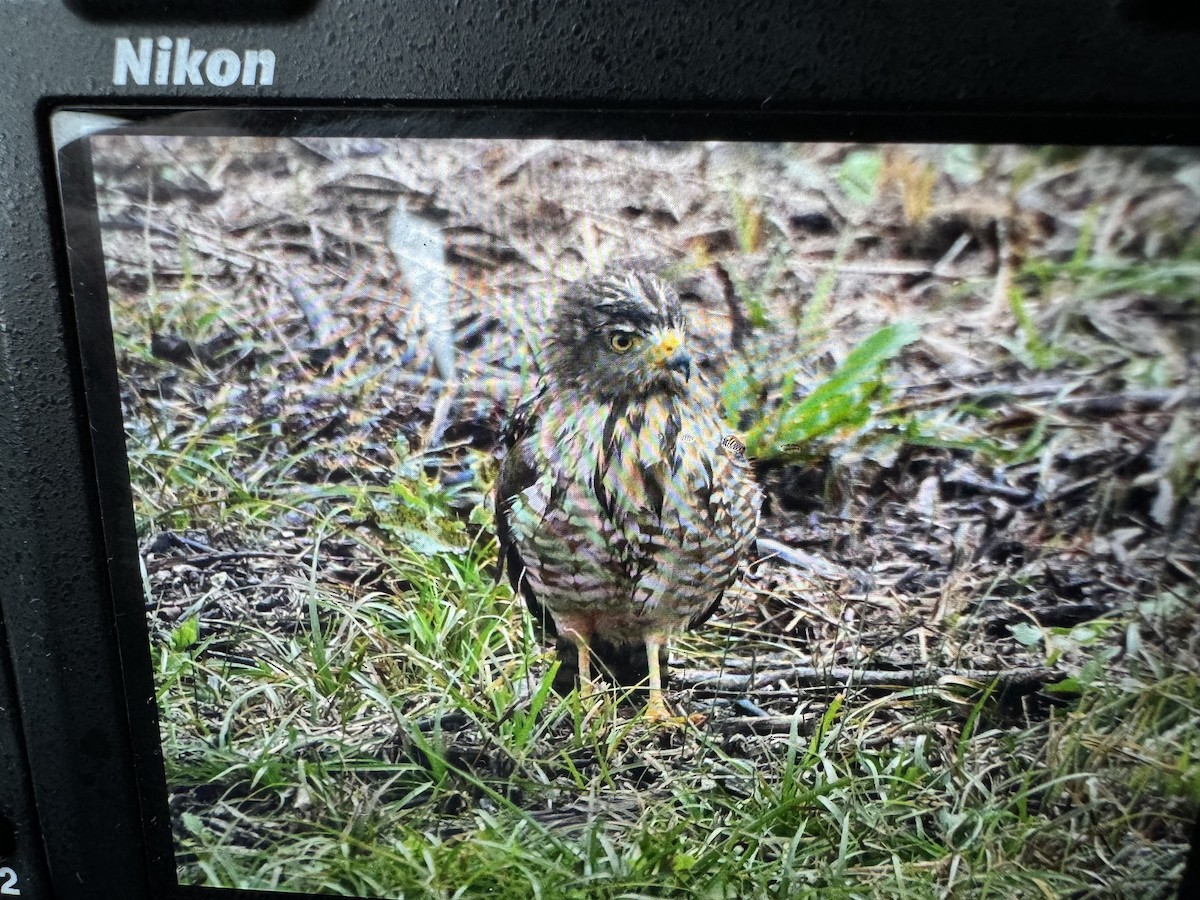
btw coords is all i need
(624, 507)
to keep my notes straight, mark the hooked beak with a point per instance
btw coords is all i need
(670, 354)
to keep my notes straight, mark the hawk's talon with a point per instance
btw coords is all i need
(665, 718)
(658, 710)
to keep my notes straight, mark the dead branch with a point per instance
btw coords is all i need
(1004, 267)
(1130, 401)
(761, 725)
(768, 548)
(1052, 392)
(740, 325)
(1024, 680)
(203, 560)
(964, 477)
(317, 316)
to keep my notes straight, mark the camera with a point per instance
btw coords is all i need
(574, 450)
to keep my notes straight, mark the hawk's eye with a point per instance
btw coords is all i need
(622, 341)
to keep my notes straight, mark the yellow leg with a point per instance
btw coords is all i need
(657, 709)
(578, 630)
(585, 664)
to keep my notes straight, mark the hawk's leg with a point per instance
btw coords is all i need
(657, 708)
(585, 665)
(580, 633)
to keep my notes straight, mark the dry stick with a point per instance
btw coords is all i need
(942, 267)
(769, 548)
(317, 315)
(201, 560)
(486, 380)
(739, 327)
(440, 419)
(767, 725)
(881, 269)
(1134, 400)
(1000, 290)
(1028, 679)
(417, 245)
(1130, 401)
(1013, 390)
(964, 477)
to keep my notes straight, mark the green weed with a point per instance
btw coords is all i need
(840, 408)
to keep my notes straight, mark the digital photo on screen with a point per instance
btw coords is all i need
(609, 518)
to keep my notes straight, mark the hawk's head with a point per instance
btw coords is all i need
(620, 335)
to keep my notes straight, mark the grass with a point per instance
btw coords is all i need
(399, 747)
(840, 407)
(403, 741)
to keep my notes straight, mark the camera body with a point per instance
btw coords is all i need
(78, 747)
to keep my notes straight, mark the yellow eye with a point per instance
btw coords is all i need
(622, 341)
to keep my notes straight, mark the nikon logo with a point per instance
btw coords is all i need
(167, 61)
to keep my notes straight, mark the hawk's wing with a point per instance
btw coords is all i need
(738, 510)
(517, 473)
(624, 665)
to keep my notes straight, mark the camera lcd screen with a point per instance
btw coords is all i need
(939, 636)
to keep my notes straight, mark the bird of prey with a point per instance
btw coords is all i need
(624, 506)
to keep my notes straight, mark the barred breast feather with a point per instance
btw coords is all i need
(638, 513)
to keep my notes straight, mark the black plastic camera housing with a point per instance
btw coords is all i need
(82, 809)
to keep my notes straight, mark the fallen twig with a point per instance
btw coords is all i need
(317, 316)
(1004, 268)
(1056, 392)
(201, 560)
(769, 548)
(1125, 402)
(766, 725)
(739, 324)
(1026, 680)
(964, 477)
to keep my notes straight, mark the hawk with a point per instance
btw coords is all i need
(624, 507)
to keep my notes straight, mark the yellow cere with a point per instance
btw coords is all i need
(670, 342)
